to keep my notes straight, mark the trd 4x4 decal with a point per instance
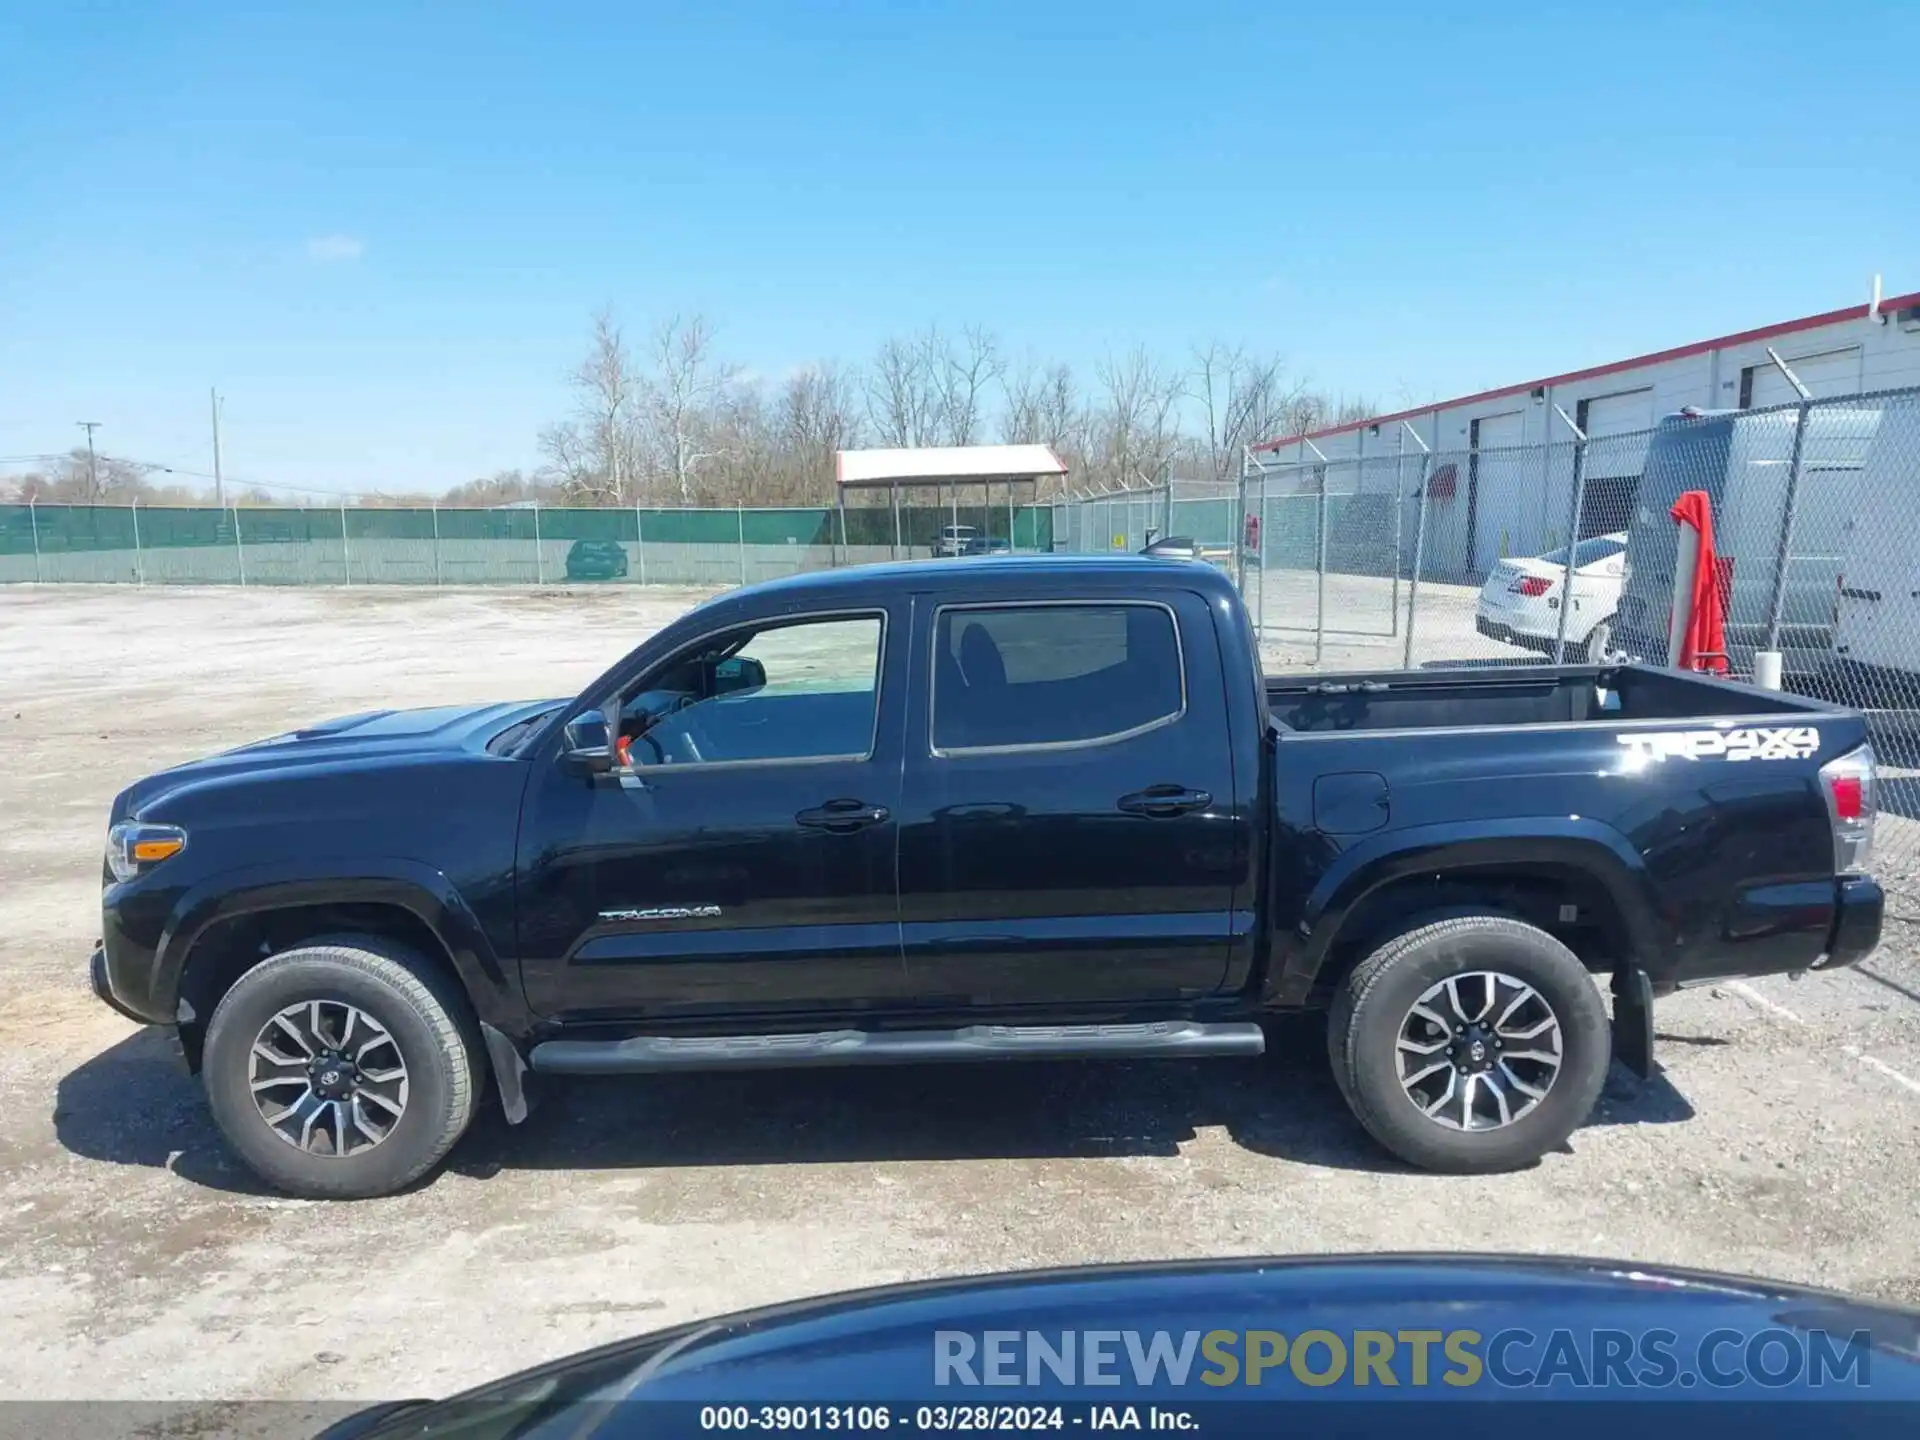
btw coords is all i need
(1789, 742)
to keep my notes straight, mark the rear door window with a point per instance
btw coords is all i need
(1034, 676)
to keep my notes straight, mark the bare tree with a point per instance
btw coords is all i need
(593, 454)
(748, 463)
(1041, 406)
(79, 479)
(1136, 427)
(503, 487)
(817, 413)
(1242, 398)
(682, 425)
(960, 373)
(570, 463)
(1304, 413)
(903, 398)
(686, 386)
(1349, 410)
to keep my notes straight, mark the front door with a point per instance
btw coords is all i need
(1070, 832)
(743, 860)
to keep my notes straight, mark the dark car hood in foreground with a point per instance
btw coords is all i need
(346, 739)
(1541, 1329)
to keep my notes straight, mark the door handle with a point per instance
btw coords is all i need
(1162, 801)
(842, 817)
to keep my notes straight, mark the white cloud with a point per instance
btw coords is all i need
(335, 249)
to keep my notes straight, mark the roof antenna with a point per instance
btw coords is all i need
(1873, 305)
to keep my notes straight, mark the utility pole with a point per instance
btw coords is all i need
(219, 491)
(93, 473)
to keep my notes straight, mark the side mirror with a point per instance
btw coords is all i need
(741, 672)
(587, 750)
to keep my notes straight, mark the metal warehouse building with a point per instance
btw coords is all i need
(1502, 468)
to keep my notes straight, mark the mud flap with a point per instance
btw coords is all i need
(1633, 1021)
(519, 1089)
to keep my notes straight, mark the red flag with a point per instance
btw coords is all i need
(1703, 644)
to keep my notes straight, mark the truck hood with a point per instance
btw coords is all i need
(369, 736)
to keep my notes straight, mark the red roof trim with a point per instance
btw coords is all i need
(1593, 372)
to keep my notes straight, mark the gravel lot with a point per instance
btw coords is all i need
(138, 1261)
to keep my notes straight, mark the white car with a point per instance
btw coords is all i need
(954, 540)
(1520, 603)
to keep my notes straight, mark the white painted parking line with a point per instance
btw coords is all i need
(1905, 1082)
(1754, 997)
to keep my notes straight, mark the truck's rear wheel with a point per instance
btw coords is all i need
(342, 1070)
(1470, 1045)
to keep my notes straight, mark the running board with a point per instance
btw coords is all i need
(643, 1053)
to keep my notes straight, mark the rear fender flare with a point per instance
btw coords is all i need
(1595, 849)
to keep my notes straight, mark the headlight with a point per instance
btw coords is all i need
(134, 846)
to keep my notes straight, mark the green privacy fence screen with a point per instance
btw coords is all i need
(387, 545)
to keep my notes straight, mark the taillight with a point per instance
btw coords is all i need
(1848, 785)
(1530, 585)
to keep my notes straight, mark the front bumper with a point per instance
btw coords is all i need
(1858, 914)
(103, 986)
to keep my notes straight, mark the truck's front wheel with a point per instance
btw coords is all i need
(1470, 1045)
(342, 1070)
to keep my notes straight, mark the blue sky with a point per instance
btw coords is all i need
(381, 228)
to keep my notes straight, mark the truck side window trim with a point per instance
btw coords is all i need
(1079, 603)
(784, 622)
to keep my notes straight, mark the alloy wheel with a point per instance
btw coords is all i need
(1479, 1050)
(328, 1078)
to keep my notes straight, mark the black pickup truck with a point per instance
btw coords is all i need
(977, 810)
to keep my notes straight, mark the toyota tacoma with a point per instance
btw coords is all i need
(977, 811)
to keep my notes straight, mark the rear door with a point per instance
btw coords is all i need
(1069, 831)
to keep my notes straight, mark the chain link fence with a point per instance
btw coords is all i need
(1123, 521)
(1571, 550)
(1483, 556)
(532, 545)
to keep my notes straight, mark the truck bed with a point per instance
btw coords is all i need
(1519, 695)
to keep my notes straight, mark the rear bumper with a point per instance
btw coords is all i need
(1509, 634)
(1856, 925)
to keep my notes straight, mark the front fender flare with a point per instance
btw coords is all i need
(1589, 846)
(411, 885)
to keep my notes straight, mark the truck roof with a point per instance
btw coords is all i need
(855, 583)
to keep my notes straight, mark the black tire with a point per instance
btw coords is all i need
(1593, 650)
(430, 1024)
(1364, 1034)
